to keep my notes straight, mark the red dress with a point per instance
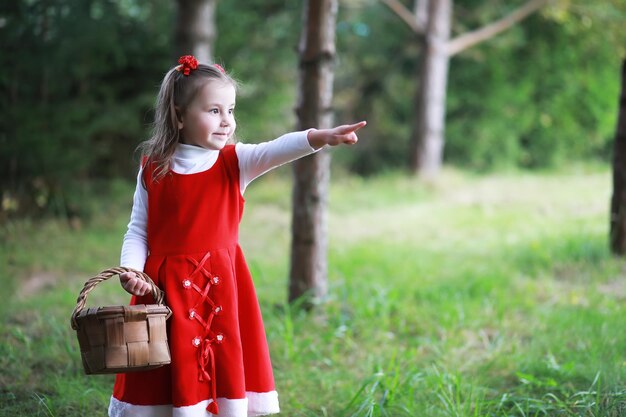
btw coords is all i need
(220, 357)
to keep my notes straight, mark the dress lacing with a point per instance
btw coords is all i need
(206, 339)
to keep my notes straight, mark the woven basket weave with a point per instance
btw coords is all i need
(120, 339)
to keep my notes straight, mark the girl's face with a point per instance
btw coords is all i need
(209, 120)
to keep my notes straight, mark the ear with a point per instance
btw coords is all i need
(179, 118)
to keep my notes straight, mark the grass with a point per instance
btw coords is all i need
(478, 296)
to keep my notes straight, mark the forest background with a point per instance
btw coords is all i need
(491, 292)
(79, 80)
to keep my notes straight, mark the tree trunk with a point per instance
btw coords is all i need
(420, 12)
(431, 21)
(618, 200)
(430, 101)
(308, 269)
(195, 29)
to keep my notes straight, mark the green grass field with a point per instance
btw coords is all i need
(478, 296)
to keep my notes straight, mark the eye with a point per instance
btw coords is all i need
(214, 111)
(231, 111)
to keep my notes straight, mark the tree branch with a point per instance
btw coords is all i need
(467, 40)
(421, 13)
(405, 14)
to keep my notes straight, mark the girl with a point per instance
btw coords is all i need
(183, 233)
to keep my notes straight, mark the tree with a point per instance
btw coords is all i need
(308, 269)
(431, 22)
(618, 200)
(195, 28)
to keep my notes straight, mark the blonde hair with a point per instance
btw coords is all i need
(176, 93)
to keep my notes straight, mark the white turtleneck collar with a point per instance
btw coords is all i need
(190, 159)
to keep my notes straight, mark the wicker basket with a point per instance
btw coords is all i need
(121, 339)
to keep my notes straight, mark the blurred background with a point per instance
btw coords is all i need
(79, 80)
(489, 290)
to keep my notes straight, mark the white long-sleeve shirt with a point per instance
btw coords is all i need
(254, 161)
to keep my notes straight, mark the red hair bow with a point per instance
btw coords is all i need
(187, 63)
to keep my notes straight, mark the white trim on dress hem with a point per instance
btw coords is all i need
(255, 404)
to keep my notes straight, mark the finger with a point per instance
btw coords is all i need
(131, 285)
(146, 288)
(353, 127)
(138, 287)
(141, 291)
(126, 285)
(126, 276)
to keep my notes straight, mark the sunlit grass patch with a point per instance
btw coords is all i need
(477, 296)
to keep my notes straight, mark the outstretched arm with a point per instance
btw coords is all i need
(344, 134)
(257, 159)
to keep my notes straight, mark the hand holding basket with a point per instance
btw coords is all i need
(119, 339)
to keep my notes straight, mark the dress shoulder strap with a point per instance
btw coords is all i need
(147, 173)
(231, 162)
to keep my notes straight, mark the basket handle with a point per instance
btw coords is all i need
(157, 294)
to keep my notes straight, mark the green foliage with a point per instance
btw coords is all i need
(257, 41)
(491, 296)
(79, 77)
(375, 80)
(539, 96)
